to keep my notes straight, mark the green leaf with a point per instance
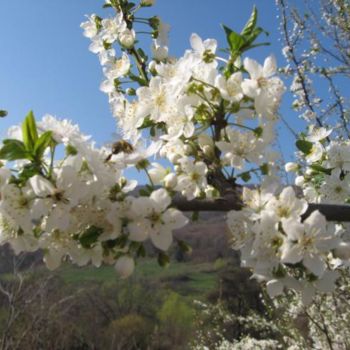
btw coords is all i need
(71, 150)
(14, 150)
(141, 251)
(3, 113)
(147, 122)
(321, 169)
(30, 132)
(252, 37)
(142, 54)
(279, 271)
(139, 80)
(304, 146)
(42, 143)
(195, 216)
(245, 176)
(28, 171)
(264, 169)
(163, 259)
(121, 241)
(234, 40)
(258, 131)
(143, 192)
(90, 236)
(258, 45)
(250, 25)
(184, 247)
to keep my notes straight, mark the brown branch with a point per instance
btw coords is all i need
(332, 212)
(229, 202)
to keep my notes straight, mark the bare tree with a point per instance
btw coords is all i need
(316, 36)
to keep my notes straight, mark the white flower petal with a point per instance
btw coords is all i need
(162, 239)
(315, 264)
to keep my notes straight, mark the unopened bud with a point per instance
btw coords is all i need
(174, 157)
(130, 92)
(309, 171)
(291, 166)
(160, 53)
(299, 180)
(127, 38)
(152, 67)
(170, 181)
(147, 2)
(208, 151)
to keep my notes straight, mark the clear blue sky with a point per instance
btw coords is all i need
(45, 64)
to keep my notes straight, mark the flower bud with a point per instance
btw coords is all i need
(152, 66)
(309, 171)
(147, 2)
(130, 91)
(160, 53)
(170, 181)
(174, 157)
(125, 266)
(299, 180)
(127, 38)
(208, 151)
(291, 166)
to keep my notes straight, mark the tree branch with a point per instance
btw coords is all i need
(332, 212)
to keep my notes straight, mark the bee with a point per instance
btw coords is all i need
(120, 146)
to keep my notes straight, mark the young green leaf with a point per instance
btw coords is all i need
(304, 146)
(250, 25)
(264, 169)
(163, 259)
(234, 40)
(42, 143)
(90, 236)
(28, 171)
(29, 131)
(321, 169)
(3, 113)
(258, 131)
(184, 247)
(250, 38)
(245, 176)
(14, 150)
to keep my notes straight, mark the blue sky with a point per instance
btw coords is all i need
(45, 64)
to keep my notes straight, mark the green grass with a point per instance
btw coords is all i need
(185, 278)
(188, 279)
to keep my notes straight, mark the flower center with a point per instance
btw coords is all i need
(283, 212)
(194, 176)
(160, 100)
(262, 82)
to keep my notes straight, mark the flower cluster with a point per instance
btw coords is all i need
(212, 121)
(323, 172)
(203, 114)
(282, 247)
(76, 207)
